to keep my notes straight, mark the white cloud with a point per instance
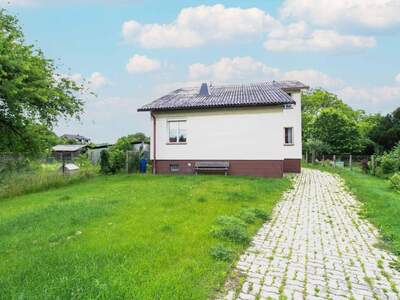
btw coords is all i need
(97, 80)
(196, 26)
(237, 69)
(142, 64)
(383, 98)
(369, 13)
(52, 2)
(299, 37)
(313, 78)
(397, 78)
(94, 82)
(246, 69)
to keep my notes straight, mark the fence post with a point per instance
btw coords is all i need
(334, 161)
(313, 157)
(126, 162)
(351, 162)
(306, 156)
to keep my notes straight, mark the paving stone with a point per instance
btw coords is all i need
(322, 247)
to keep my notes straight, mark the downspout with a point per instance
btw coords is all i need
(154, 143)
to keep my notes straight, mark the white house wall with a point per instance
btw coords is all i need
(292, 118)
(231, 134)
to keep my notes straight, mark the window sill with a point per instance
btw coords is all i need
(288, 144)
(176, 143)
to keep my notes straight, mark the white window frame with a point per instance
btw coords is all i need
(284, 136)
(168, 131)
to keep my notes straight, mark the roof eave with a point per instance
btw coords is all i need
(143, 109)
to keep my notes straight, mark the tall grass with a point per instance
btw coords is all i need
(20, 183)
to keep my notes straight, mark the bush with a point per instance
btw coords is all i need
(231, 229)
(249, 215)
(390, 162)
(105, 167)
(222, 253)
(395, 182)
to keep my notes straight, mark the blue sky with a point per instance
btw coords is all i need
(134, 51)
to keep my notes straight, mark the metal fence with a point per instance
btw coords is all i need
(338, 160)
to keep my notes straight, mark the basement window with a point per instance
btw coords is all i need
(177, 132)
(288, 136)
(174, 168)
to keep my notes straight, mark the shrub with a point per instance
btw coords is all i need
(231, 229)
(222, 253)
(105, 167)
(395, 182)
(390, 162)
(249, 215)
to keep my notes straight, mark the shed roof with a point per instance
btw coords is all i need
(68, 148)
(220, 96)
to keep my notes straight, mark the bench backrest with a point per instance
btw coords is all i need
(212, 164)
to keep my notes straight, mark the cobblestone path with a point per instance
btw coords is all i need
(315, 247)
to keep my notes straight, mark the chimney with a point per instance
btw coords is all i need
(204, 90)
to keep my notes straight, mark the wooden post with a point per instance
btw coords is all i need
(351, 162)
(313, 157)
(334, 161)
(126, 162)
(306, 156)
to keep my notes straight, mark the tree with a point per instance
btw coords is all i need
(386, 134)
(338, 131)
(318, 101)
(32, 95)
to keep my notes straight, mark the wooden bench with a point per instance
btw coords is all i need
(212, 166)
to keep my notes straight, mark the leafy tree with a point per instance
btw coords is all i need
(386, 134)
(316, 147)
(32, 96)
(337, 130)
(315, 103)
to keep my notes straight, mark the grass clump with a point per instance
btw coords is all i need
(250, 215)
(395, 182)
(231, 229)
(222, 253)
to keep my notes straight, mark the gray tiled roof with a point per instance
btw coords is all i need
(259, 94)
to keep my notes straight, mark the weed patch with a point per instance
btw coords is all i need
(231, 229)
(222, 253)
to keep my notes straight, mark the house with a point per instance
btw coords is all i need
(76, 138)
(253, 128)
(67, 152)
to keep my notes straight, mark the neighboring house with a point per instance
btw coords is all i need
(67, 152)
(79, 139)
(94, 152)
(254, 127)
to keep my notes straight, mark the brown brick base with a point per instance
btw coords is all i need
(262, 168)
(292, 165)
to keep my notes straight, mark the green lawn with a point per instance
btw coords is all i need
(124, 237)
(381, 204)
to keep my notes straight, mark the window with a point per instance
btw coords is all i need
(174, 168)
(177, 131)
(288, 135)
